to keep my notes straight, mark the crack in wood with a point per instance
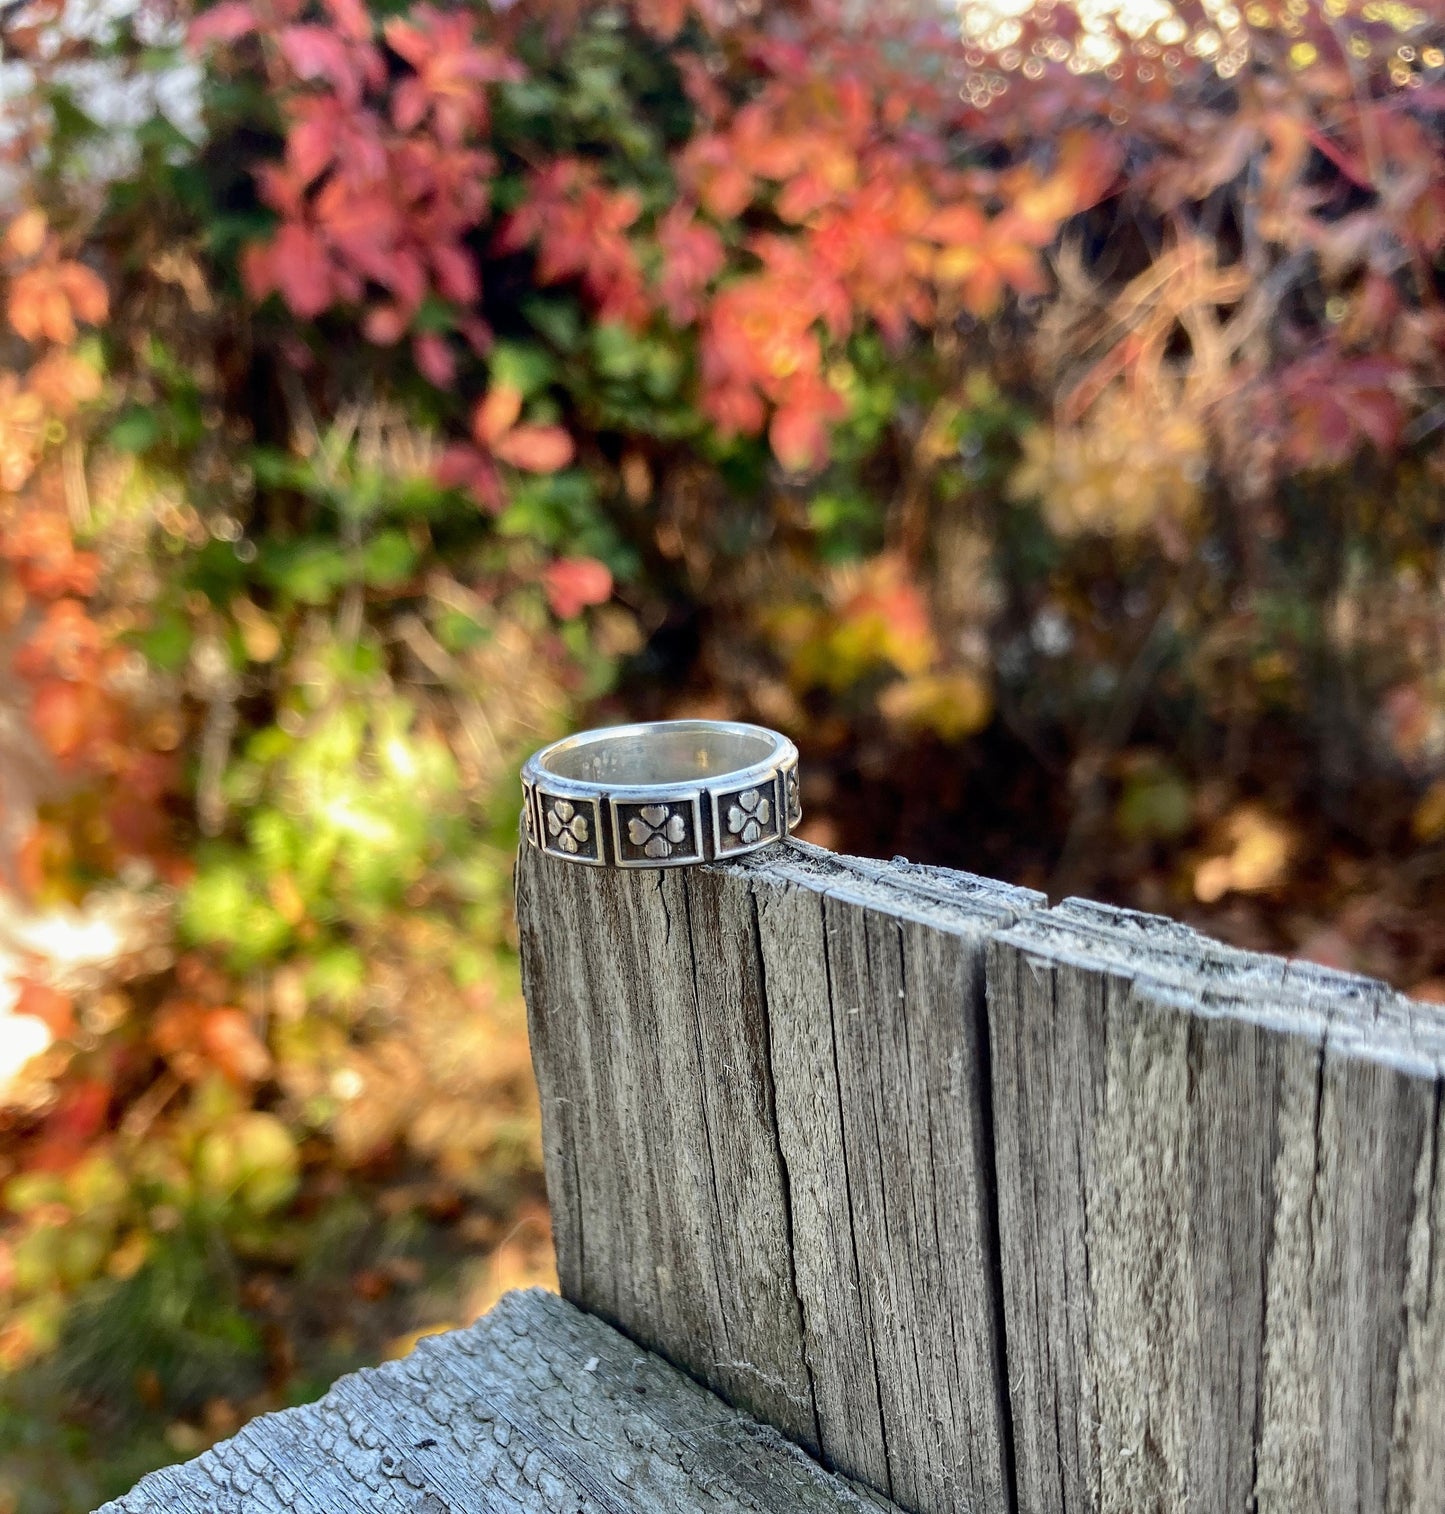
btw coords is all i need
(971, 1133)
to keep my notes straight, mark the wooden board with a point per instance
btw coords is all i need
(999, 1207)
(765, 1120)
(1226, 1168)
(537, 1409)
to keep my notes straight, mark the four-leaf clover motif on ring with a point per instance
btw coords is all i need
(567, 827)
(748, 816)
(794, 802)
(655, 830)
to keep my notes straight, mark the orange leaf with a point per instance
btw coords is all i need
(385, 325)
(85, 290)
(63, 381)
(535, 449)
(573, 583)
(25, 235)
(46, 1004)
(799, 438)
(59, 716)
(231, 1045)
(497, 414)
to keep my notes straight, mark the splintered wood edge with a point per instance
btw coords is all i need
(537, 1407)
(1167, 962)
(931, 896)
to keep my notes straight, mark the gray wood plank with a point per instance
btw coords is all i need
(999, 1207)
(537, 1409)
(824, 1016)
(1242, 1152)
(670, 1210)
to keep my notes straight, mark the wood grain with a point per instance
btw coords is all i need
(999, 1207)
(537, 1409)
(796, 1207)
(1226, 1166)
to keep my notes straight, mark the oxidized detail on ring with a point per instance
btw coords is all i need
(661, 795)
(650, 834)
(570, 828)
(746, 818)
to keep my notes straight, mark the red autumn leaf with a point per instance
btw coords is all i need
(573, 583)
(352, 18)
(317, 53)
(222, 23)
(451, 68)
(579, 227)
(39, 545)
(735, 409)
(535, 449)
(456, 273)
(66, 644)
(711, 171)
(434, 359)
(692, 256)
(475, 332)
(463, 467)
(325, 130)
(72, 1127)
(1333, 406)
(365, 224)
(311, 143)
(663, 18)
(299, 268)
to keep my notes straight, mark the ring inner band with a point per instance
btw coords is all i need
(679, 754)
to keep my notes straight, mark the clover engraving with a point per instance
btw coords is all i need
(566, 826)
(748, 815)
(655, 830)
(795, 805)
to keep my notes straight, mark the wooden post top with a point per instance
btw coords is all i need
(992, 1206)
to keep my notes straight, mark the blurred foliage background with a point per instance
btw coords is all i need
(1035, 410)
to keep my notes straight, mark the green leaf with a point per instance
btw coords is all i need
(388, 559)
(529, 368)
(167, 642)
(137, 430)
(309, 572)
(559, 320)
(554, 509)
(618, 353)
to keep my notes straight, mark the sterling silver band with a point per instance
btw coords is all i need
(665, 794)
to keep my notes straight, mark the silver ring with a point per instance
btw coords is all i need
(665, 794)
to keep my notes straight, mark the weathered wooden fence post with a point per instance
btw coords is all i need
(992, 1206)
(995, 1208)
